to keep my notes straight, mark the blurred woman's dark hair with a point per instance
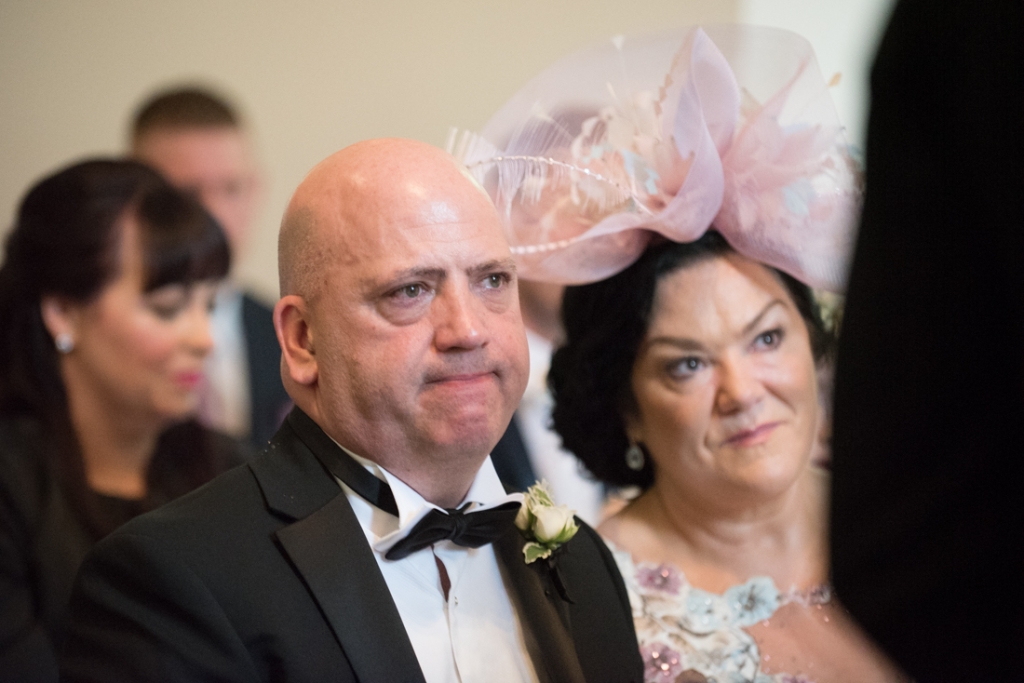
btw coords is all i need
(66, 243)
(605, 323)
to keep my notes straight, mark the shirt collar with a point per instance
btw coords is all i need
(486, 491)
(227, 312)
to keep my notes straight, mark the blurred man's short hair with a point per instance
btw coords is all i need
(186, 107)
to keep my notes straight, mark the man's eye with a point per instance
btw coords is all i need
(410, 291)
(496, 280)
(232, 188)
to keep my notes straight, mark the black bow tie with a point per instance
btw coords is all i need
(468, 529)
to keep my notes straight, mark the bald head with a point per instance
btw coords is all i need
(387, 180)
(399, 318)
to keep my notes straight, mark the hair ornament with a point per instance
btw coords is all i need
(671, 134)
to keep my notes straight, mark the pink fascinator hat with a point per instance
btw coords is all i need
(729, 127)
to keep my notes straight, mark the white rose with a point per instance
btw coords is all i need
(523, 517)
(554, 524)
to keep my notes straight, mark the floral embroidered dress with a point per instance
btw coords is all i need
(681, 627)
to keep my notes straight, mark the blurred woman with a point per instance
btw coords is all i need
(105, 291)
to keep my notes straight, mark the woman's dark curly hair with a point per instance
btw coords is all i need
(605, 323)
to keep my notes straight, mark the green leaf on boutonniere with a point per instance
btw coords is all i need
(535, 551)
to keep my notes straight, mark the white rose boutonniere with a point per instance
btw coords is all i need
(547, 525)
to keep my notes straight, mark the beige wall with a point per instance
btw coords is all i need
(313, 75)
(844, 34)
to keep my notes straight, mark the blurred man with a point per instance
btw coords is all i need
(198, 142)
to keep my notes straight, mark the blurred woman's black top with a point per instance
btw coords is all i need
(43, 538)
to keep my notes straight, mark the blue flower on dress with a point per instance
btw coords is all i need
(661, 663)
(753, 601)
(705, 612)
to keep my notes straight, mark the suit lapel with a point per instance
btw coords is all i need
(542, 613)
(329, 551)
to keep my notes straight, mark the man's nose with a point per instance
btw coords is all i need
(457, 320)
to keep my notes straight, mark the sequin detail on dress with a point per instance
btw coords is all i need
(683, 629)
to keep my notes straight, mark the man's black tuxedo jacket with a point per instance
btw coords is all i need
(268, 400)
(265, 575)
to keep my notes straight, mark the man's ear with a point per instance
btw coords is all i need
(294, 333)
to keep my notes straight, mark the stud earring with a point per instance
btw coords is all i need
(64, 343)
(634, 457)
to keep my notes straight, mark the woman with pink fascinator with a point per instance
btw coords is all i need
(691, 207)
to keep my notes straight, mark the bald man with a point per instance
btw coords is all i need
(372, 540)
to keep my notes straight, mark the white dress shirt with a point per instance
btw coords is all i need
(560, 468)
(225, 403)
(474, 637)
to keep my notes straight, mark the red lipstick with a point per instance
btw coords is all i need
(188, 379)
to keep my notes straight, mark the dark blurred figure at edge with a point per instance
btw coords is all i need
(105, 294)
(928, 508)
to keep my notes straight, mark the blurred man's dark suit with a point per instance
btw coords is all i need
(269, 401)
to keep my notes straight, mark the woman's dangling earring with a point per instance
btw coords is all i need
(634, 457)
(64, 342)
